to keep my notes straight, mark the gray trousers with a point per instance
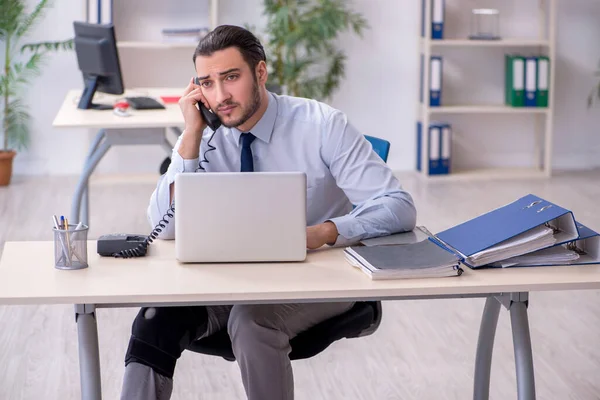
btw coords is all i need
(260, 337)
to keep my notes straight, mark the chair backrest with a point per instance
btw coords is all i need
(380, 146)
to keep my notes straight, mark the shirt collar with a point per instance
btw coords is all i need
(264, 127)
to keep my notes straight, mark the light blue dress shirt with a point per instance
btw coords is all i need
(297, 134)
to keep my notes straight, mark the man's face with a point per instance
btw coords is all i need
(229, 86)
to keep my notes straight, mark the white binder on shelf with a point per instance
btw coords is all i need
(530, 82)
(446, 150)
(435, 133)
(99, 11)
(437, 19)
(435, 81)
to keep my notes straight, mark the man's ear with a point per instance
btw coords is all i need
(261, 72)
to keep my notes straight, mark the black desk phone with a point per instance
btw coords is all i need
(126, 245)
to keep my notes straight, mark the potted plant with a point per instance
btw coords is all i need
(300, 45)
(22, 63)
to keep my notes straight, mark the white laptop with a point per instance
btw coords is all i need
(240, 217)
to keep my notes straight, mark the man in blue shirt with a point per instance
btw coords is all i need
(261, 131)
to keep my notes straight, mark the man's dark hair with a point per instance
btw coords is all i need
(225, 36)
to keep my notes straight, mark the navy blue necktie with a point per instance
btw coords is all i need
(247, 164)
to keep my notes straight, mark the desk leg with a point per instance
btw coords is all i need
(97, 150)
(523, 353)
(485, 348)
(89, 354)
(85, 202)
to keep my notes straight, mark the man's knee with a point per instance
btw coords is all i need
(159, 336)
(251, 323)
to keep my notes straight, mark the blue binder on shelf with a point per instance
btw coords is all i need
(438, 153)
(445, 148)
(435, 151)
(586, 247)
(435, 81)
(507, 227)
(421, 78)
(437, 19)
(531, 81)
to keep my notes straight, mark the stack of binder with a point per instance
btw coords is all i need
(439, 151)
(435, 81)
(527, 81)
(523, 227)
(406, 256)
(583, 250)
(528, 232)
(438, 11)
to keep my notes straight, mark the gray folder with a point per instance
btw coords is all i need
(421, 259)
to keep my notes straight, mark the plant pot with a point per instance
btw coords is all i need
(6, 162)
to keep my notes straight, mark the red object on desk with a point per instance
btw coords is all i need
(170, 99)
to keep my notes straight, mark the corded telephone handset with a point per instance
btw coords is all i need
(126, 246)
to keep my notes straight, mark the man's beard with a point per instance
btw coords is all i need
(248, 111)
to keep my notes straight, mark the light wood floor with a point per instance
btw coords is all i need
(423, 350)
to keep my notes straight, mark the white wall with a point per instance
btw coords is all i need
(379, 93)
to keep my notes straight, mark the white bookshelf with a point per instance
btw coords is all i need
(544, 43)
(107, 11)
(133, 44)
(484, 109)
(485, 43)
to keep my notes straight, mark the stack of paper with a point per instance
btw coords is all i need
(424, 259)
(526, 242)
(179, 35)
(557, 255)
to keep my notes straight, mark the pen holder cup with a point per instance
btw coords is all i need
(70, 247)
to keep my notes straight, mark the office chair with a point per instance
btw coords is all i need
(361, 320)
(380, 146)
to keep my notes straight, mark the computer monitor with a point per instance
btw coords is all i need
(98, 60)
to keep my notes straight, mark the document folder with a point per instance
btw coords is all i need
(523, 226)
(435, 81)
(437, 19)
(435, 138)
(514, 81)
(584, 250)
(423, 259)
(446, 148)
(543, 81)
(531, 82)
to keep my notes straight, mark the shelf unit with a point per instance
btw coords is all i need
(545, 42)
(105, 8)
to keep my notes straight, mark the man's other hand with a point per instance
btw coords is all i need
(319, 235)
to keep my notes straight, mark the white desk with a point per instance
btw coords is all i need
(143, 127)
(27, 276)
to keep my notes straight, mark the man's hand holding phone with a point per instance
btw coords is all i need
(194, 123)
(189, 147)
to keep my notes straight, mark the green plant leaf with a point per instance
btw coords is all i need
(49, 46)
(301, 51)
(10, 17)
(31, 19)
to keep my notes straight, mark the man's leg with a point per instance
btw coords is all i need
(159, 336)
(260, 336)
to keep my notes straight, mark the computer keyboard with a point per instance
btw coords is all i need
(144, 103)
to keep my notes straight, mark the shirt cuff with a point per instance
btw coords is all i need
(179, 165)
(349, 230)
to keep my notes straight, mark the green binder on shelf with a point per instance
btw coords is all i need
(543, 76)
(514, 67)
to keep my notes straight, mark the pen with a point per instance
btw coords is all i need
(68, 240)
(60, 238)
